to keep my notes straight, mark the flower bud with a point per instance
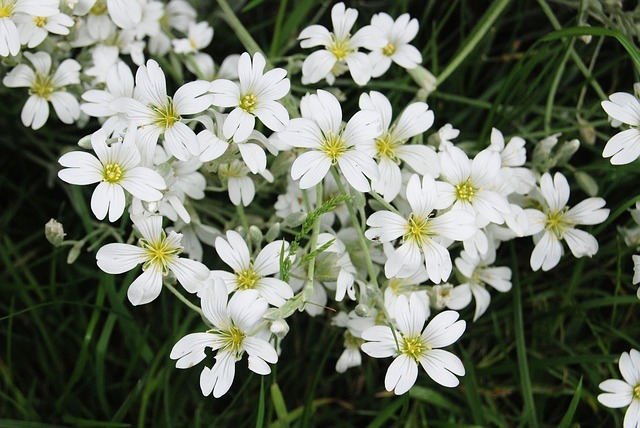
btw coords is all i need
(74, 253)
(255, 234)
(85, 142)
(280, 328)
(273, 232)
(363, 310)
(587, 183)
(54, 232)
(424, 79)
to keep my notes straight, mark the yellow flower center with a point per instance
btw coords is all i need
(334, 147)
(232, 340)
(166, 115)
(636, 392)
(386, 147)
(465, 191)
(414, 347)
(99, 8)
(6, 8)
(389, 49)
(416, 229)
(192, 44)
(42, 86)
(248, 102)
(40, 21)
(159, 253)
(556, 223)
(235, 169)
(247, 279)
(350, 341)
(112, 173)
(340, 48)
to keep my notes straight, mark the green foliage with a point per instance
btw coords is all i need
(75, 353)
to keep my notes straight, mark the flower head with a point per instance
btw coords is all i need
(232, 333)
(623, 147)
(621, 393)
(411, 345)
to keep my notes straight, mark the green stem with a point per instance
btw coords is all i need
(356, 225)
(487, 20)
(384, 203)
(554, 86)
(243, 35)
(313, 242)
(183, 299)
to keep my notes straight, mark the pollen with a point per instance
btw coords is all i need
(40, 21)
(112, 173)
(165, 116)
(386, 147)
(465, 191)
(160, 253)
(247, 279)
(414, 347)
(416, 229)
(389, 50)
(636, 392)
(334, 147)
(556, 223)
(340, 48)
(7, 8)
(248, 102)
(232, 340)
(42, 86)
(99, 8)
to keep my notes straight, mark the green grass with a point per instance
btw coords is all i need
(74, 352)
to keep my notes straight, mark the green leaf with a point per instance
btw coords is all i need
(566, 419)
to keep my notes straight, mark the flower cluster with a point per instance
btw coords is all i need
(396, 222)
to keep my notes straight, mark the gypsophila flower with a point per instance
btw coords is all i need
(389, 149)
(411, 345)
(621, 393)
(253, 274)
(341, 48)
(557, 222)
(420, 232)
(159, 255)
(255, 96)
(398, 34)
(624, 147)
(320, 129)
(117, 168)
(45, 88)
(232, 333)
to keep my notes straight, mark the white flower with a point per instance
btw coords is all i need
(636, 271)
(411, 345)
(241, 188)
(255, 96)
(9, 33)
(623, 147)
(390, 148)
(346, 271)
(320, 129)
(397, 287)
(420, 232)
(398, 34)
(158, 253)
(558, 222)
(158, 114)
(341, 48)
(468, 182)
(250, 274)
(232, 333)
(354, 326)
(621, 393)
(119, 82)
(117, 168)
(34, 29)
(199, 36)
(45, 88)
(513, 157)
(478, 273)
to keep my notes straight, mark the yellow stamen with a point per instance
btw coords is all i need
(40, 21)
(42, 86)
(389, 49)
(248, 102)
(414, 347)
(112, 173)
(465, 191)
(334, 147)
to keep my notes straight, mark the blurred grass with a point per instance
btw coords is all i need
(75, 353)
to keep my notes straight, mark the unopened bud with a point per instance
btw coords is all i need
(566, 150)
(363, 310)
(74, 252)
(273, 232)
(85, 142)
(54, 232)
(294, 219)
(587, 183)
(280, 328)
(424, 79)
(255, 234)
